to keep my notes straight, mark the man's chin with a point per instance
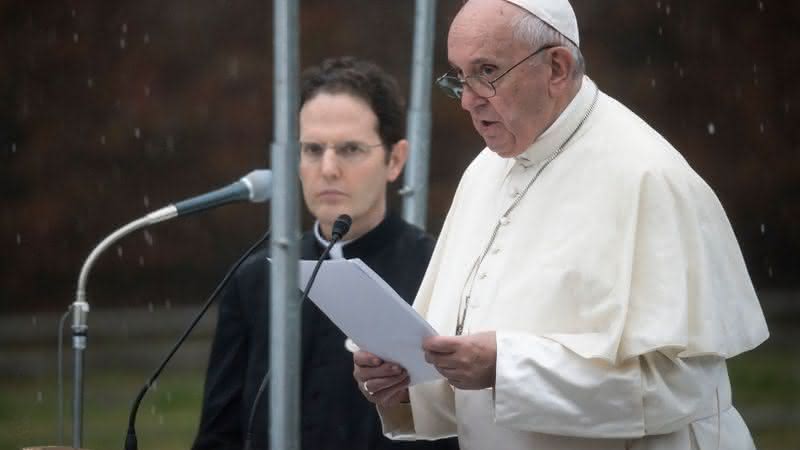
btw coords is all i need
(502, 151)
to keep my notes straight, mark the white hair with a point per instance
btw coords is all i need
(530, 29)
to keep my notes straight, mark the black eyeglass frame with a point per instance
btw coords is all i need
(453, 86)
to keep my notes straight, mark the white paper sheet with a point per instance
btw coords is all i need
(371, 313)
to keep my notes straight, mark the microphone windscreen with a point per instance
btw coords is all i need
(260, 184)
(341, 226)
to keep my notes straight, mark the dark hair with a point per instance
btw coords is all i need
(364, 80)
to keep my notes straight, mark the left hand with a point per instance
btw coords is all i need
(468, 362)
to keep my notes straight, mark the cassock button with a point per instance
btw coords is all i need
(504, 220)
(482, 276)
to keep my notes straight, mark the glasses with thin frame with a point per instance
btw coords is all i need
(453, 85)
(346, 151)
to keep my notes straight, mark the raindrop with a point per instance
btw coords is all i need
(763, 229)
(761, 127)
(147, 91)
(667, 9)
(103, 140)
(124, 27)
(769, 271)
(39, 397)
(89, 82)
(169, 397)
(73, 13)
(150, 307)
(14, 144)
(146, 201)
(680, 72)
(141, 261)
(34, 320)
(761, 6)
(755, 68)
(148, 238)
(711, 128)
(137, 133)
(167, 304)
(146, 38)
(121, 42)
(119, 251)
(152, 410)
(658, 5)
(154, 386)
(652, 82)
(660, 31)
(233, 68)
(19, 239)
(75, 37)
(161, 419)
(786, 107)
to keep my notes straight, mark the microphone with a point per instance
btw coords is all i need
(340, 228)
(256, 186)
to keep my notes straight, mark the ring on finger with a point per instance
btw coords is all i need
(364, 385)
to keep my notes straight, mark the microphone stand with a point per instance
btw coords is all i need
(255, 186)
(131, 442)
(80, 312)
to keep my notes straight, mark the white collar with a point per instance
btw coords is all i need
(336, 251)
(547, 143)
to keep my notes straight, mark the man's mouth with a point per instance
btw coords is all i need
(486, 123)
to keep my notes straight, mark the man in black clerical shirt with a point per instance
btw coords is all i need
(352, 145)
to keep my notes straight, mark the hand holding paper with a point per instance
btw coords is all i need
(372, 314)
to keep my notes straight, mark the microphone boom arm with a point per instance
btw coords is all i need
(80, 311)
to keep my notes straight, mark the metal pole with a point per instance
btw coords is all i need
(80, 311)
(415, 191)
(284, 355)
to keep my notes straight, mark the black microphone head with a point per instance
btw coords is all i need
(341, 227)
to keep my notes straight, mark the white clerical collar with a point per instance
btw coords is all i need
(548, 142)
(336, 251)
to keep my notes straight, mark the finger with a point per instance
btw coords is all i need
(383, 396)
(366, 359)
(382, 371)
(441, 344)
(376, 385)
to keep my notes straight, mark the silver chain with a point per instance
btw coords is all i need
(463, 308)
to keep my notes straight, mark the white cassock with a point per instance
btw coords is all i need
(616, 288)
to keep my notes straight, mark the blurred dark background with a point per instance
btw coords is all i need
(109, 110)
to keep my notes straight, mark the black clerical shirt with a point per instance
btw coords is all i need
(334, 414)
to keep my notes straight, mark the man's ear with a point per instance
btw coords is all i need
(562, 64)
(397, 159)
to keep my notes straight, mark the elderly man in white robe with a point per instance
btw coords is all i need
(586, 284)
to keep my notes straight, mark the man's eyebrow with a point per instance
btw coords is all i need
(474, 62)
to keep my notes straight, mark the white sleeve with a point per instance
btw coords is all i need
(541, 386)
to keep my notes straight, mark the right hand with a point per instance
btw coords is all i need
(383, 383)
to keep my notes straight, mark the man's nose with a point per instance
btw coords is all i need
(329, 163)
(470, 100)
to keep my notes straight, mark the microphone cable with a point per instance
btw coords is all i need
(340, 228)
(131, 443)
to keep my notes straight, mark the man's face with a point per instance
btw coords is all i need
(481, 43)
(335, 184)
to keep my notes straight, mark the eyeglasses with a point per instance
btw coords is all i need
(346, 151)
(453, 85)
